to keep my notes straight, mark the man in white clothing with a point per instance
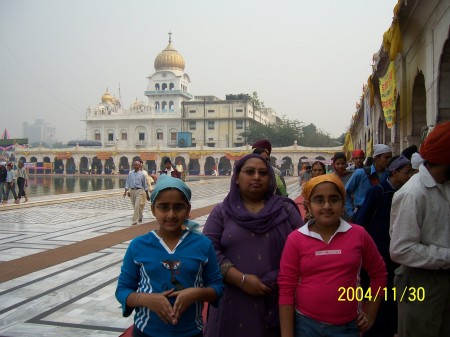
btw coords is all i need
(135, 186)
(420, 242)
(150, 188)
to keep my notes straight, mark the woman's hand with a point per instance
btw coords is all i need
(159, 304)
(364, 321)
(253, 286)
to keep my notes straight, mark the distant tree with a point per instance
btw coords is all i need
(281, 134)
(341, 139)
(257, 103)
(312, 137)
(288, 131)
(257, 131)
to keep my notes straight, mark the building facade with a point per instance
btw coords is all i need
(200, 160)
(198, 132)
(39, 132)
(416, 53)
(170, 109)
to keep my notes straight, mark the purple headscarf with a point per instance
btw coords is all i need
(273, 213)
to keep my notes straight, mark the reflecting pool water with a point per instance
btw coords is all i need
(39, 185)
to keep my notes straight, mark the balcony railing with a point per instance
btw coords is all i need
(168, 92)
(164, 110)
(140, 143)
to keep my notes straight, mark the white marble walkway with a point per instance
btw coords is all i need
(75, 298)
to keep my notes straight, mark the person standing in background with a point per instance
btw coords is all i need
(340, 167)
(267, 146)
(180, 169)
(10, 184)
(150, 183)
(416, 161)
(362, 179)
(22, 180)
(169, 170)
(420, 241)
(358, 157)
(317, 169)
(409, 151)
(3, 174)
(374, 216)
(305, 175)
(135, 186)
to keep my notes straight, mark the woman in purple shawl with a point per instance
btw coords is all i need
(248, 231)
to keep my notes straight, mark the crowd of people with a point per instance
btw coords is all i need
(372, 257)
(11, 178)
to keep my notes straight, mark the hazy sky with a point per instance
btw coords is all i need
(307, 59)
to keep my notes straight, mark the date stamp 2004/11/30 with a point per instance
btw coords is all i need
(410, 294)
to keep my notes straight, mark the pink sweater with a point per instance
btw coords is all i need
(312, 271)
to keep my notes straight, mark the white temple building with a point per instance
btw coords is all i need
(172, 116)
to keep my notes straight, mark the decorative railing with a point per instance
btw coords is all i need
(168, 92)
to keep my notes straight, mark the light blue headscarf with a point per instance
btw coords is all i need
(164, 182)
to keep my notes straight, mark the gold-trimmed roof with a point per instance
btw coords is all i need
(107, 97)
(169, 58)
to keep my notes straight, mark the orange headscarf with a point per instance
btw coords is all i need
(313, 182)
(435, 148)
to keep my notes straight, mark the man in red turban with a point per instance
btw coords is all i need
(420, 240)
(358, 157)
(436, 147)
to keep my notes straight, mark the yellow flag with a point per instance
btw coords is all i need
(388, 92)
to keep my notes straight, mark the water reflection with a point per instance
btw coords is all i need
(51, 185)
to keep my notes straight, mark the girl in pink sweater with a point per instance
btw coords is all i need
(319, 269)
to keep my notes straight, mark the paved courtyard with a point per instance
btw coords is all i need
(75, 297)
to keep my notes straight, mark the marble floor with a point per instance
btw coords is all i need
(75, 298)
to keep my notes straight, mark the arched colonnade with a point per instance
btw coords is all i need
(194, 161)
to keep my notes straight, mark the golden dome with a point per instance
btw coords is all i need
(107, 98)
(169, 58)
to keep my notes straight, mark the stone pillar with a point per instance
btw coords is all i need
(158, 162)
(76, 163)
(104, 166)
(201, 162)
(116, 164)
(295, 160)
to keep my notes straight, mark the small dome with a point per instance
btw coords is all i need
(136, 104)
(116, 101)
(169, 58)
(107, 97)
